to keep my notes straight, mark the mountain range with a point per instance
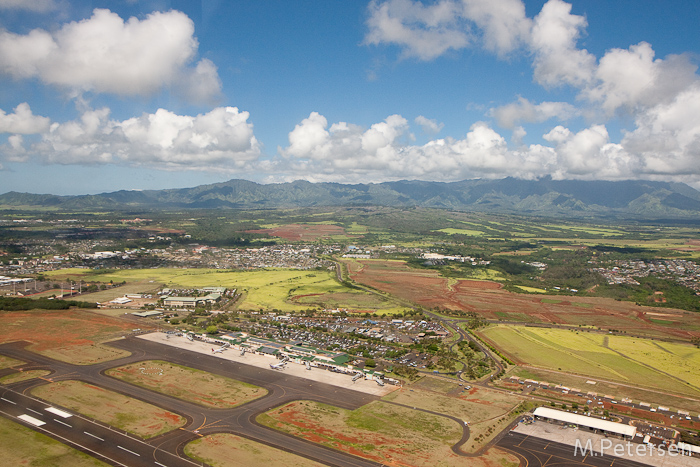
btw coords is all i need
(567, 198)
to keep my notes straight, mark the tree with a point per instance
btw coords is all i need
(212, 329)
(370, 363)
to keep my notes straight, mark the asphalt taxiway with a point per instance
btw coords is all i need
(119, 450)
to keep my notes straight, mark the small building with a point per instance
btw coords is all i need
(146, 314)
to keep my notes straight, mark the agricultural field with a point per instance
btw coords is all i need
(629, 360)
(185, 383)
(378, 431)
(429, 289)
(23, 446)
(308, 232)
(487, 411)
(73, 336)
(23, 376)
(218, 449)
(115, 409)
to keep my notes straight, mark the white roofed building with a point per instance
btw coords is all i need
(592, 423)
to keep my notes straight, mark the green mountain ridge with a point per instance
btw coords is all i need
(566, 198)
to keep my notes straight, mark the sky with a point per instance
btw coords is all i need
(104, 95)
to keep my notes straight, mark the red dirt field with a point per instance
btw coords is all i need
(429, 290)
(59, 329)
(306, 232)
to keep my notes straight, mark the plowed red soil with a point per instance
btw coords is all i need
(429, 290)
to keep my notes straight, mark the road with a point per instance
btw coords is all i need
(538, 452)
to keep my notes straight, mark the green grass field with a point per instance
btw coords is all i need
(266, 289)
(639, 362)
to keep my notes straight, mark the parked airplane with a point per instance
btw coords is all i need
(308, 365)
(243, 352)
(226, 345)
(189, 336)
(278, 366)
(380, 382)
(219, 350)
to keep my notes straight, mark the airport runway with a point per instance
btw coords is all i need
(120, 449)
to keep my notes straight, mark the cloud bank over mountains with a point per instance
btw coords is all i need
(131, 58)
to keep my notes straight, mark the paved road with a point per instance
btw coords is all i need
(282, 388)
(538, 452)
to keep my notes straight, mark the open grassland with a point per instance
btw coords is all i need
(188, 384)
(115, 409)
(8, 362)
(218, 450)
(378, 431)
(267, 289)
(638, 362)
(73, 336)
(23, 376)
(487, 411)
(22, 446)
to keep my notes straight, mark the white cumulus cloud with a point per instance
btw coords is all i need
(424, 32)
(429, 125)
(509, 115)
(106, 54)
(221, 139)
(23, 121)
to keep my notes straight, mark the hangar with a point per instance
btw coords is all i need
(592, 423)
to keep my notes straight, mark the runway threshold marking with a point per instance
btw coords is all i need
(59, 412)
(128, 450)
(94, 436)
(161, 465)
(8, 400)
(32, 420)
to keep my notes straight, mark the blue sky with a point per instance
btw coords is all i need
(98, 96)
